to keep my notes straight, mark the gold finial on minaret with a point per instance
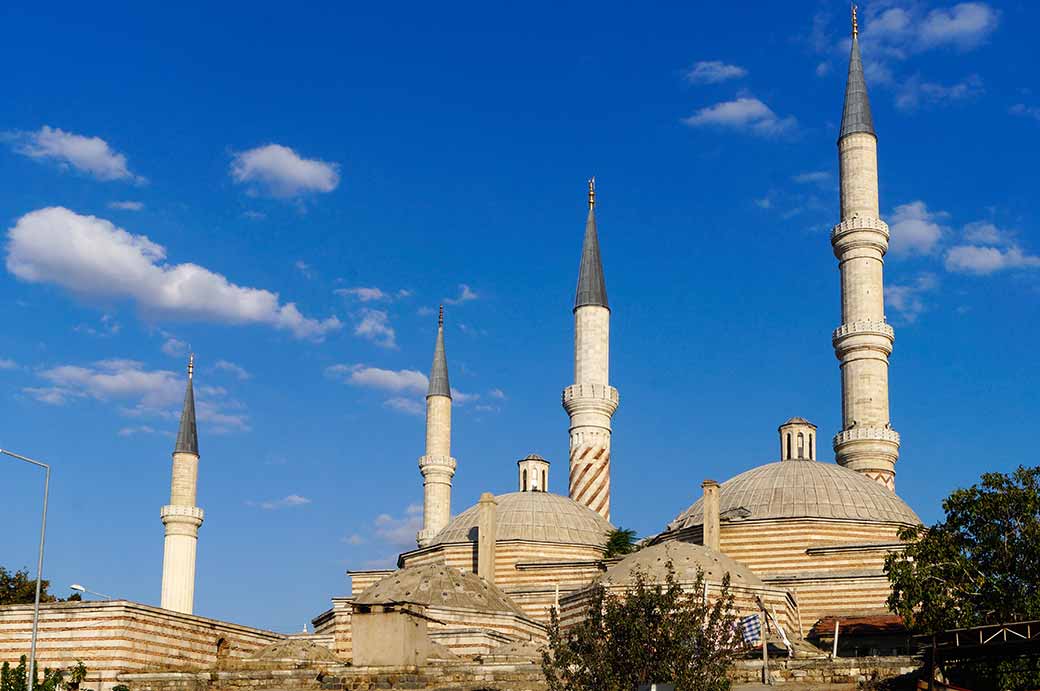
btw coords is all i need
(440, 318)
(191, 365)
(855, 22)
(592, 192)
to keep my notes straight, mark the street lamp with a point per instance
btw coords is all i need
(77, 587)
(39, 564)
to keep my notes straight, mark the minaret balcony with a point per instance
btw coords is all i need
(857, 434)
(437, 464)
(174, 513)
(600, 398)
(869, 334)
(860, 232)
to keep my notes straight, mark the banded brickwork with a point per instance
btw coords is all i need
(335, 622)
(118, 636)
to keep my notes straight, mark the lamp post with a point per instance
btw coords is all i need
(78, 588)
(39, 563)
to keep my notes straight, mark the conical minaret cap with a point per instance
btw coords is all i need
(187, 434)
(856, 116)
(439, 385)
(592, 287)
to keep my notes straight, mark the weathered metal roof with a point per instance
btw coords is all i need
(187, 434)
(686, 558)
(536, 516)
(439, 385)
(801, 488)
(592, 287)
(856, 115)
(438, 585)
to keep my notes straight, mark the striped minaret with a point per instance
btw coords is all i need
(591, 400)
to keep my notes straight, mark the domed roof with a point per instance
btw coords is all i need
(686, 558)
(536, 516)
(803, 489)
(437, 585)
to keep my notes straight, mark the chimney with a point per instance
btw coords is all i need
(711, 514)
(487, 523)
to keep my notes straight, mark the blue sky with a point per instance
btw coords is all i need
(293, 192)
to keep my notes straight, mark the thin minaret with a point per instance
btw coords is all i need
(591, 400)
(866, 443)
(437, 466)
(181, 516)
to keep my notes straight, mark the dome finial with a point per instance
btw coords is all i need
(592, 192)
(440, 317)
(855, 22)
(191, 365)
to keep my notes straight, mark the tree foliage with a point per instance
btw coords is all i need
(653, 632)
(619, 543)
(68, 679)
(981, 565)
(18, 588)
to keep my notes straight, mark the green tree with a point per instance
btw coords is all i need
(68, 679)
(619, 543)
(653, 632)
(981, 565)
(18, 588)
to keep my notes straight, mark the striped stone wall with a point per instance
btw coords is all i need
(117, 636)
(335, 622)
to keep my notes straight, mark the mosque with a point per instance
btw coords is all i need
(801, 537)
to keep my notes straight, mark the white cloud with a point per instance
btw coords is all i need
(965, 25)
(461, 398)
(375, 326)
(764, 202)
(397, 381)
(109, 327)
(906, 299)
(354, 539)
(174, 347)
(466, 294)
(713, 72)
(399, 531)
(91, 256)
(815, 177)
(126, 206)
(237, 370)
(497, 393)
(401, 404)
(1021, 109)
(363, 294)
(981, 260)
(916, 92)
(149, 393)
(286, 502)
(139, 429)
(744, 114)
(280, 172)
(304, 268)
(8, 363)
(823, 69)
(984, 233)
(914, 229)
(90, 155)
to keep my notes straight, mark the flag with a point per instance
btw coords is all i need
(751, 629)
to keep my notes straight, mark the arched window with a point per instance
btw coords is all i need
(523, 482)
(801, 445)
(545, 481)
(812, 449)
(788, 445)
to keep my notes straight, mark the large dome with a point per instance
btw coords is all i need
(803, 489)
(686, 559)
(535, 516)
(437, 585)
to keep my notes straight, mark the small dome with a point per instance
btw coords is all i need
(437, 585)
(798, 421)
(686, 558)
(804, 489)
(536, 516)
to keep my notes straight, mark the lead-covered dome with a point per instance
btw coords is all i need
(686, 559)
(535, 516)
(803, 489)
(437, 585)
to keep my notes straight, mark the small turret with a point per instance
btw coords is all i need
(534, 473)
(797, 440)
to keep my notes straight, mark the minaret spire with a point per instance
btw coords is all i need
(856, 116)
(436, 465)
(592, 287)
(181, 517)
(591, 400)
(866, 443)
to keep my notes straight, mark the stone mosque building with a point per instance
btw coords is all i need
(801, 537)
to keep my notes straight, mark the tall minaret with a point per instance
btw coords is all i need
(181, 517)
(867, 443)
(437, 466)
(591, 400)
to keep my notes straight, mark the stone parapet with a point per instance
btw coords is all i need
(590, 398)
(437, 464)
(866, 434)
(859, 232)
(866, 334)
(173, 513)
